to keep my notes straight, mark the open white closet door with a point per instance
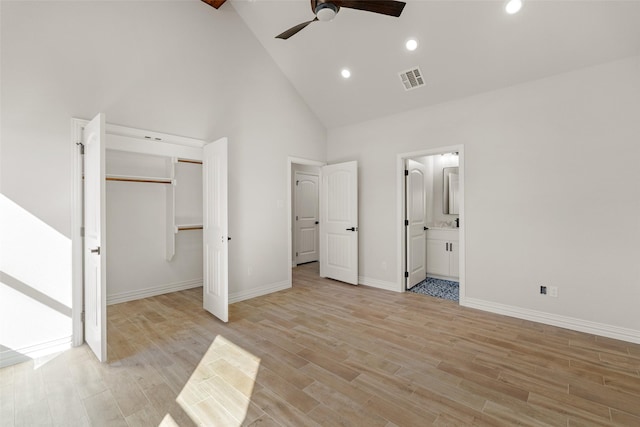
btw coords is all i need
(215, 230)
(415, 226)
(339, 222)
(95, 265)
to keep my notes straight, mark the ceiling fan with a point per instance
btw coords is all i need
(326, 10)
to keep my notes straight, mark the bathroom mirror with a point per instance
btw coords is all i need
(451, 191)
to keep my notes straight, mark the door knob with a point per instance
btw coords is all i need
(352, 229)
(96, 250)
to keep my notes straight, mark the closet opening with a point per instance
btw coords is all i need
(149, 218)
(154, 225)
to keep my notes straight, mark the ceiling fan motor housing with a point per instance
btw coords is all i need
(326, 11)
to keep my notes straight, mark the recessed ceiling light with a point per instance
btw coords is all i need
(345, 73)
(411, 44)
(513, 6)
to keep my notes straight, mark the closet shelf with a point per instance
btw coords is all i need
(197, 162)
(147, 179)
(189, 227)
(188, 223)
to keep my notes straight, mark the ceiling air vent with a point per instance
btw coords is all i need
(412, 78)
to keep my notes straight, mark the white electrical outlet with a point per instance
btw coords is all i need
(553, 291)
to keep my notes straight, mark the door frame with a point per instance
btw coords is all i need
(135, 140)
(400, 206)
(289, 207)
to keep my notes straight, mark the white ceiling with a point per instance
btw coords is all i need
(465, 48)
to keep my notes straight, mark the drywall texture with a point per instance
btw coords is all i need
(551, 194)
(181, 68)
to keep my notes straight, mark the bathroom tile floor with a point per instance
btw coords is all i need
(438, 288)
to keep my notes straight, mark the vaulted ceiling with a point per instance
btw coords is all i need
(464, 48)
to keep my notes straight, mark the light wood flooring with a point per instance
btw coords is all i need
(325, 353)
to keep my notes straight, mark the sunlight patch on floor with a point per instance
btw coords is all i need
(168, 421)
(219, 390)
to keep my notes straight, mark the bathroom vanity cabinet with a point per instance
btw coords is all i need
(443, 256)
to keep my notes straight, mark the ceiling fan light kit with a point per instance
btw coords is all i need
(326, 10)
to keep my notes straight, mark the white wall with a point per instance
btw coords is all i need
(176, 67)
(429, 188)
(551, 194)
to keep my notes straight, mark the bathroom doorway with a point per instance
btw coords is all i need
(431, 208)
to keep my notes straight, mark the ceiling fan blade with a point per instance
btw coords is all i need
(215, 3)
(294, 30)
(385, 7)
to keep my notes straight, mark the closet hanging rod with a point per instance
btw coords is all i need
(197, 162)
(147, 180)
(190, 227)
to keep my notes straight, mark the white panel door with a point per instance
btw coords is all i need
(95, 266)
(306, 217)
(415, 228)
(215, 230)
(339, 222)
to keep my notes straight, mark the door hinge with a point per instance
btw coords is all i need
(297, 182)
(406, 222)
(81, 231)
(81, 145)
(82, 317)
(406, 274)
(296, 253)
(406, 172)
(296, 217)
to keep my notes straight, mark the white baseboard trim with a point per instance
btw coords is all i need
(13, 356)
(258, 292)
(380, 284)
(152, 291)
(601, 329)
(449, 278)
